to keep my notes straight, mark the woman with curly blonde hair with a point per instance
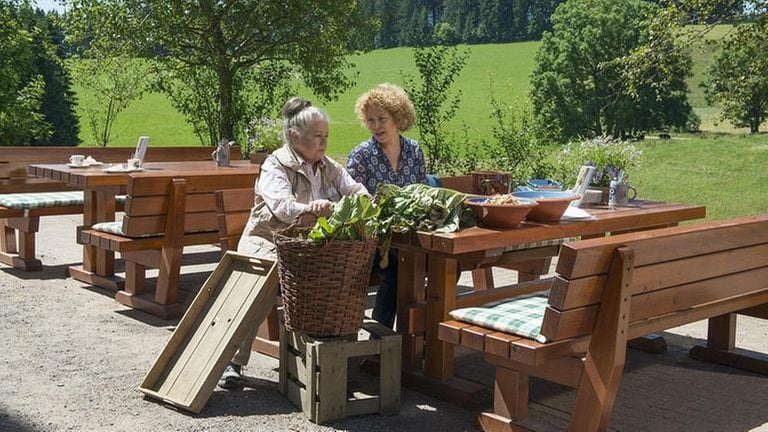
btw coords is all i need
(387, 157)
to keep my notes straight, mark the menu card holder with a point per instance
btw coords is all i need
(141, 149)
(582, 183)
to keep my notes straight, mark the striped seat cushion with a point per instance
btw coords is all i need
(521, 315)
(117, 228)
(41, 200)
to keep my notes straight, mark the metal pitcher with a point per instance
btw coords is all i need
(221, 154)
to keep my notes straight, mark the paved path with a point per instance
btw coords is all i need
(72, 359)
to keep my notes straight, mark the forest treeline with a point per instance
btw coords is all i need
(425, 22)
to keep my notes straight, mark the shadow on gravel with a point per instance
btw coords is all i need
(258, 397)
(48, 273)
(8, 423)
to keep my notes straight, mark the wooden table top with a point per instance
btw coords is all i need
(95, 177)
(639, 215)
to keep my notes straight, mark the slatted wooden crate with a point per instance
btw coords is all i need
(237, 296)
(313, 373)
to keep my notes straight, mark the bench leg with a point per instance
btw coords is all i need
(721, 347)
(8, 239)
(510, 401)
(21, 256)
(135, 295)
(135, 278)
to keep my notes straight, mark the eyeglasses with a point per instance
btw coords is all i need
(380, 120)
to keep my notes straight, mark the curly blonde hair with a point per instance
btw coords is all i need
(390, 98)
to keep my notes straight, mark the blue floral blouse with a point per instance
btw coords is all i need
(368, 164)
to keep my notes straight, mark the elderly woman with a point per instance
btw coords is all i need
(295, 179)
(387, 157)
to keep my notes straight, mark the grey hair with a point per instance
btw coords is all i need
(297, 114)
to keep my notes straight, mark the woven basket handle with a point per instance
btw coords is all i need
(297, 220)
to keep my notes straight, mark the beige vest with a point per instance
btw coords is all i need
(257, 235)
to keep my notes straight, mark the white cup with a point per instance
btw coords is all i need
(134, 164)
(76, 159)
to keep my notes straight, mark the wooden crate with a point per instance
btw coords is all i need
(237, 296)
(313, 373)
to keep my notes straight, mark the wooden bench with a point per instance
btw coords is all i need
(612, 289)
(21, 222)
(234, 208)
(163, 213)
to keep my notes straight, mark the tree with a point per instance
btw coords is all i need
(113, 82)
(589, 79)
(21, 88)
(58, 104)
(221, 41)
(438, 68)
(738, 79)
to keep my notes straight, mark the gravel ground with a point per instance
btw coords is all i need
(72, 359)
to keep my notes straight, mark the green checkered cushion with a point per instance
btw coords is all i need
(521, 315)
(41, 200)
(117, 228)
(539, 244)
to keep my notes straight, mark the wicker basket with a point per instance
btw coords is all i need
(323, 287)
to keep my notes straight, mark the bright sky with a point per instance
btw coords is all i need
(50, 5)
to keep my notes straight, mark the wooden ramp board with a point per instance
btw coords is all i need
(237, 296)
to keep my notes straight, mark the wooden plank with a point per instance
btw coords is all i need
(142, 225)
(450, 331)
(587, 291)
(331, 359)
(558, 325)
(389, 375)
(698, 313)
(563, 370)
(590, 257)
(646, 214)
(498, 343)
(690, 295)
(474, 337)
(238, 295)
(152, 183)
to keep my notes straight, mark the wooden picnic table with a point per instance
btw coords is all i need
(438, 255)
(101, 187)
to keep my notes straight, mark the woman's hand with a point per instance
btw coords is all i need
(321, 207)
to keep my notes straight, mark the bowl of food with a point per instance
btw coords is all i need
(552, 204)
(501, 211)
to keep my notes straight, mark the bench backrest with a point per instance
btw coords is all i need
(234, 208)
(681, 274)
(151, 197)
(14, 161)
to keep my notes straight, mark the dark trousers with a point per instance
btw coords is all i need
(385, 308)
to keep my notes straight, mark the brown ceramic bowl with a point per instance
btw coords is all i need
(500, 215)
(552, 204)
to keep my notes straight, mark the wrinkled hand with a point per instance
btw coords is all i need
(321, 207)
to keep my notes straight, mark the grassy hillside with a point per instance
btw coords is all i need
(508, 64)
(722, 171)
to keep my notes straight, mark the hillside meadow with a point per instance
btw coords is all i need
(704, 168)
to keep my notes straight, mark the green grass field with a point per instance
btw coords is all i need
(711, 169)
